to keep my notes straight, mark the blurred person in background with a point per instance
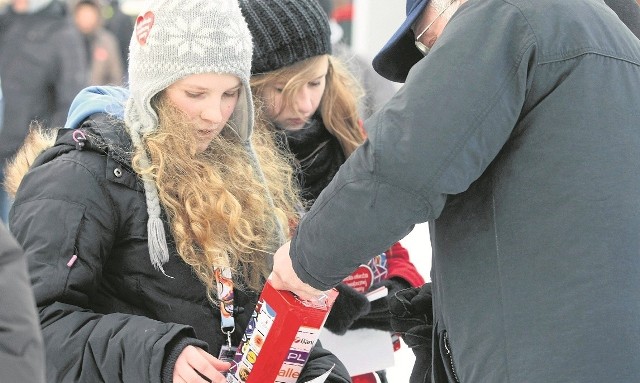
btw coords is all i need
(342, 13)
(121, 25)
(102, 48)
(518, 123)
(21, 345)
(377, 89)
(42, 66)
(309, 100)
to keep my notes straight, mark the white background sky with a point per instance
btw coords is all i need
(375, 21)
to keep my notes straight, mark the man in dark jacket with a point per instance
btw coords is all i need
(519, 123)
(21, 347)
(42, 66)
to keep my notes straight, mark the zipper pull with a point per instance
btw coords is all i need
(79, 137)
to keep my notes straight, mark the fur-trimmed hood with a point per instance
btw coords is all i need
(42, 145)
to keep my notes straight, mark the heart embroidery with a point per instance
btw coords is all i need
(143, 27)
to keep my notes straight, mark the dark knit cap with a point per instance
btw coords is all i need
(327, 6)
(285, 32)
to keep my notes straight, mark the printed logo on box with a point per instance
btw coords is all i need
(243, 373)
(297, 357)
(256, 341)
(305, 338)
(252, 341)
(265, 318)
(288, 373)
(268, 310)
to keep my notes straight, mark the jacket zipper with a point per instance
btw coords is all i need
(450, 356)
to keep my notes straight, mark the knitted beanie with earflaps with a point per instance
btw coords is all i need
(174, 39)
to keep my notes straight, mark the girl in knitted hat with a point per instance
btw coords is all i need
(150, 219)
(310, 100)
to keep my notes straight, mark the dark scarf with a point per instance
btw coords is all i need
(318, 156)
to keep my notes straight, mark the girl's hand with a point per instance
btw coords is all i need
(195, 365)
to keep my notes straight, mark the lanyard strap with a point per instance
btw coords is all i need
(224, 285)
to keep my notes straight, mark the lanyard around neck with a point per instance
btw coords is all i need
(224, 285)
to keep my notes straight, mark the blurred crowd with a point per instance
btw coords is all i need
(51, 49)
(168, 157)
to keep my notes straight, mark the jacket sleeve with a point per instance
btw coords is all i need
(320, 361)
(22, 356)
(400, 265)
(434, 138)
(65, 221)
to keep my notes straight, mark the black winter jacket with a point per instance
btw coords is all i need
(22, 351)
(109, 316)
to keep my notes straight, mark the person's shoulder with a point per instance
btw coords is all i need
(98, 137)
(95, 155)
(63, 27)
(564, 29)
(9, 247)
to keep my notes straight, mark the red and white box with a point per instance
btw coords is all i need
(279, 337)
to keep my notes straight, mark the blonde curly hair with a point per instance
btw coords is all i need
(218, 207)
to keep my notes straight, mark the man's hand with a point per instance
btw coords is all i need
(283, 277)
(195, 364)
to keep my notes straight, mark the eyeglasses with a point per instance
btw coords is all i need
(421, 47)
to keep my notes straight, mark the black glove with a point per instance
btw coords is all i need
(349, 306)
(412, 317)
(379, 317)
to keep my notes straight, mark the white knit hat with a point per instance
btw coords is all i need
(174, 39)
(177, 38)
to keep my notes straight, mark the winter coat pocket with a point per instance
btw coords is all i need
(48, 230)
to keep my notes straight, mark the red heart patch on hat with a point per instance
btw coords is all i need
(143, 26)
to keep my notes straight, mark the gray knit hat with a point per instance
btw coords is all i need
(174, 39)
(285, 32)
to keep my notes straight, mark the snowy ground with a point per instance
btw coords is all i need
(404, 364)
(419, 246)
